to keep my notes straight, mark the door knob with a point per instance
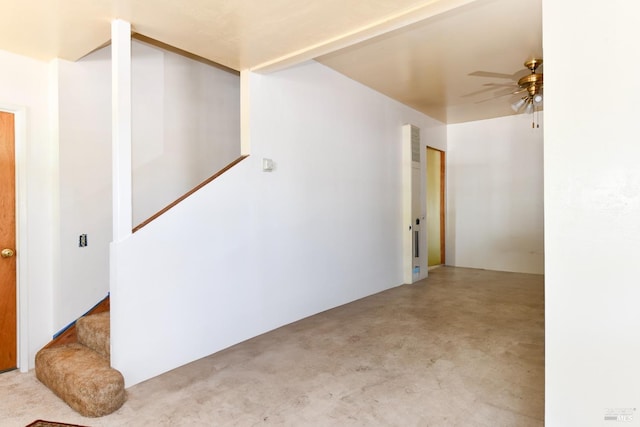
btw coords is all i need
(7, 253)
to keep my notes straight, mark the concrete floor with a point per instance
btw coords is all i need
(463, 348)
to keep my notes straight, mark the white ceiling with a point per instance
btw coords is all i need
(419, 52)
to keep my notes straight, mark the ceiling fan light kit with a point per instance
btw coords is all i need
(532, 84)
(529, 108)
(516, 106)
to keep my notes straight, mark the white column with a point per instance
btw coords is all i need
(121, 162)
(121, 128)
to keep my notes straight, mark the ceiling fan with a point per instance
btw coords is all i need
(530, 83)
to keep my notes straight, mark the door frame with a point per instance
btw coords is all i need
(20, 144)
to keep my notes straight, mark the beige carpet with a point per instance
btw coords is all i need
(462, 348)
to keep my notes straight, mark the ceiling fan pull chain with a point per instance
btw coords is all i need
(535, 119)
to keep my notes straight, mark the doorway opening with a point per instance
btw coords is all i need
(435, 207)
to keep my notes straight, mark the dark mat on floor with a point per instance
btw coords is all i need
(42, 423)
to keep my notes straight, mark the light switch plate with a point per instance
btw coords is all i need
(267, 165)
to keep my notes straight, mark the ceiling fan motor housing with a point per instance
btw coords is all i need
(532, 82)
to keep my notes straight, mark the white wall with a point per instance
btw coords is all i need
(185, 125)
(84, 140)
(253, 250)
(592, 210)
(24, 88)
(495, 195)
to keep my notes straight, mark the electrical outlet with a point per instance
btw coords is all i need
(82, 241)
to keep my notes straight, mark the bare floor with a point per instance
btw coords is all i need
(463, 348)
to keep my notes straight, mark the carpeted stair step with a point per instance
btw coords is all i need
(94, 332)
(82, 378)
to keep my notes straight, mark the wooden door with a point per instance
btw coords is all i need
(8, 330)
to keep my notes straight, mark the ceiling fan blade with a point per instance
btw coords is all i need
(490, 74)
(490, 87)
(477, 92)
(500, 94)
(515, 76)
(501, 84)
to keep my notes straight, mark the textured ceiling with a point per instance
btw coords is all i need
(419, 52)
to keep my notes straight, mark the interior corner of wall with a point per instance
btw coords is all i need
(54, 161)
(53, 81)
(245, 116)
